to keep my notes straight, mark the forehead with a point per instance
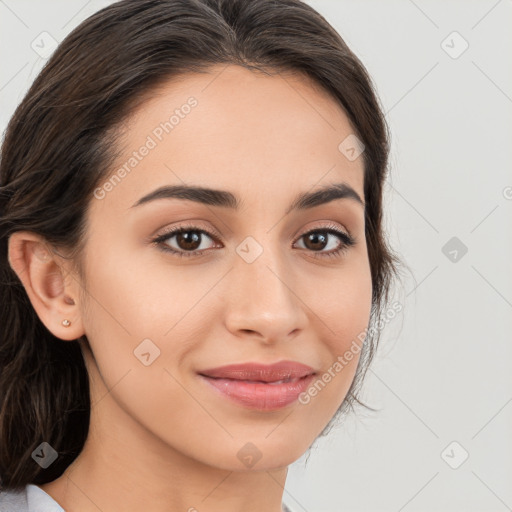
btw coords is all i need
(237, 129)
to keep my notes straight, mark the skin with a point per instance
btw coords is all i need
(158, 435)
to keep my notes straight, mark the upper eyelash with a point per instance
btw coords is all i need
(347, 240)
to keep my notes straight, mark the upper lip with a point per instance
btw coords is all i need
(260, 372)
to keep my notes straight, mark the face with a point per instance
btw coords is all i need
(252, 284)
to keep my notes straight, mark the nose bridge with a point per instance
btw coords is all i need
(263, 298)
(265, 277)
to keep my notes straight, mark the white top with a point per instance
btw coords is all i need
(30, 499)
(33, 499)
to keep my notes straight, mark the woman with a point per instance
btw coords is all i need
(192, 257)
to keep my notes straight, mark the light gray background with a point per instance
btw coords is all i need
(443, 371)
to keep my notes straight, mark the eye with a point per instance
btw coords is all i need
(189, 240)
(321, 237)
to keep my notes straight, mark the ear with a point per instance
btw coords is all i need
(50, 284)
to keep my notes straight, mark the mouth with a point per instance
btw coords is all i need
(261, 387)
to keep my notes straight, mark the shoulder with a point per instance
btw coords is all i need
(30, 498)
(14, 500)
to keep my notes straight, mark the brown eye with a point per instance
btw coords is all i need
(188, 241)
(319, 239)
(316, 241)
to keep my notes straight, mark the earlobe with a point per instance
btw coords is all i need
(51, 292)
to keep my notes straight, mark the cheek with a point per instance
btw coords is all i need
(344, 307)
(130, 298)
(122, 310)
(353, 314)
(134, 309)
(344, 304)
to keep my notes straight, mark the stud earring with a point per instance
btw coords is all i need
(66, 323)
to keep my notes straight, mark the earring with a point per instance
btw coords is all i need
(66, 323)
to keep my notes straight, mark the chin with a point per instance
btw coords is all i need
(261, 453)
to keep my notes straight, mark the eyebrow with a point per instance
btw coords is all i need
(226, 199)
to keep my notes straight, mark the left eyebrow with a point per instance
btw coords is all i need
(226, 199)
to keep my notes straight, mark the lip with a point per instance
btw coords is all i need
(257, 386)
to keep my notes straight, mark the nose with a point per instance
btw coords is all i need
(262, 301)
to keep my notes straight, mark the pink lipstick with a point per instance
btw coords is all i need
(260, 386)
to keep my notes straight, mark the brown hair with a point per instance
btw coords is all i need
(60, 144)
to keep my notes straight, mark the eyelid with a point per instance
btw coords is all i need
(159, 240)
(189, 225)
(194, 225)
(346, 238)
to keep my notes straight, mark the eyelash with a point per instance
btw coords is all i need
(347, 241)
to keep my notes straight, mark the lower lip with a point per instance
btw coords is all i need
(258, 395)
